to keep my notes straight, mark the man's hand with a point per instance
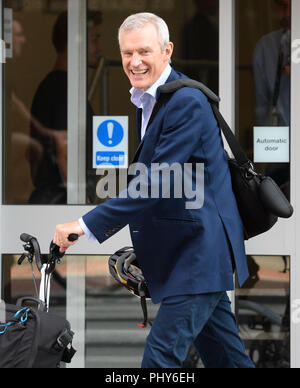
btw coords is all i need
(62, 233)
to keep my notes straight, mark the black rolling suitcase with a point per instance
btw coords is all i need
(31, 337)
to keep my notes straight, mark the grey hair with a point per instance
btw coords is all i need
(139, 20)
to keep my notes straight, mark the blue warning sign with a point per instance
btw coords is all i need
(110, 142)
(113, 158)
(110, 133)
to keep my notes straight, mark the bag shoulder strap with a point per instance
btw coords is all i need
(173, 86)
(232, 141)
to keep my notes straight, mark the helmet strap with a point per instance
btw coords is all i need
(145, 312)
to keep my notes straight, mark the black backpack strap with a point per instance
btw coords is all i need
(173, 86)
(232, 141)
(145, 313)
(164, 92)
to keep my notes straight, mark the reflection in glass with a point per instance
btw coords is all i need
(196, 40)
(263, 76)
(263, 100)
(36, 85)
(18, 281)
(34, 137)
(16, 111)
(263, 311)
(48, 126)
(202, 54)
(272, 68)
(36, 103)
(49, 118)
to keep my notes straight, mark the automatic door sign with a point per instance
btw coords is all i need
(110, 140)
(271, 144)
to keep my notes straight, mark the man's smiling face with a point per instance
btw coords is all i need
(142, 56)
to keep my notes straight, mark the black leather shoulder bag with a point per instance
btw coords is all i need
(259, 199)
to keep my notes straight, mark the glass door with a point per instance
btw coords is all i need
(62, 70)
(113, 338)
(265, 120)
(40, 136)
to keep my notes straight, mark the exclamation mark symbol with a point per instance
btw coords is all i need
(110, 131)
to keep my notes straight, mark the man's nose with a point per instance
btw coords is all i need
(136, 60)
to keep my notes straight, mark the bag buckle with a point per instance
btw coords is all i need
(65, 339)
(250, 169)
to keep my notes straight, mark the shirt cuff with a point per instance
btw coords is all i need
(86, 230)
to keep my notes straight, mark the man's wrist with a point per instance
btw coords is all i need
(86, 230)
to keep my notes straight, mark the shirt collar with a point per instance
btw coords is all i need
(137, 94)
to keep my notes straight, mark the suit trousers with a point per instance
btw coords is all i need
(206, 321)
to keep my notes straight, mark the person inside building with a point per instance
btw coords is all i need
(272, 70)
(271, 64)
(203, 23)
(49, 118)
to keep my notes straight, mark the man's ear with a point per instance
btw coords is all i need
(169, 50)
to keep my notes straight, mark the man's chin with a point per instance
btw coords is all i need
(139, 85)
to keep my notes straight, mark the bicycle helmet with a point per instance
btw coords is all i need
(125, 269)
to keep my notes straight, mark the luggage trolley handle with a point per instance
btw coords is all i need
(45, 264)
(48, 268)
(54, 249)
(32, 249)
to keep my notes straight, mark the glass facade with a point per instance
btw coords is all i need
(263, 311)
(36, 160)
(263, 68)
(263, 74)
(35, 103)
(36, 86)
(36, 142)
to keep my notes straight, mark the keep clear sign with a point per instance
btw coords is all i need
(271, 144)
(110, 142)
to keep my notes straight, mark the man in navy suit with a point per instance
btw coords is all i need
(188, 253)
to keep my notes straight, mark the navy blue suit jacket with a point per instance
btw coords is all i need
(181, 251)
